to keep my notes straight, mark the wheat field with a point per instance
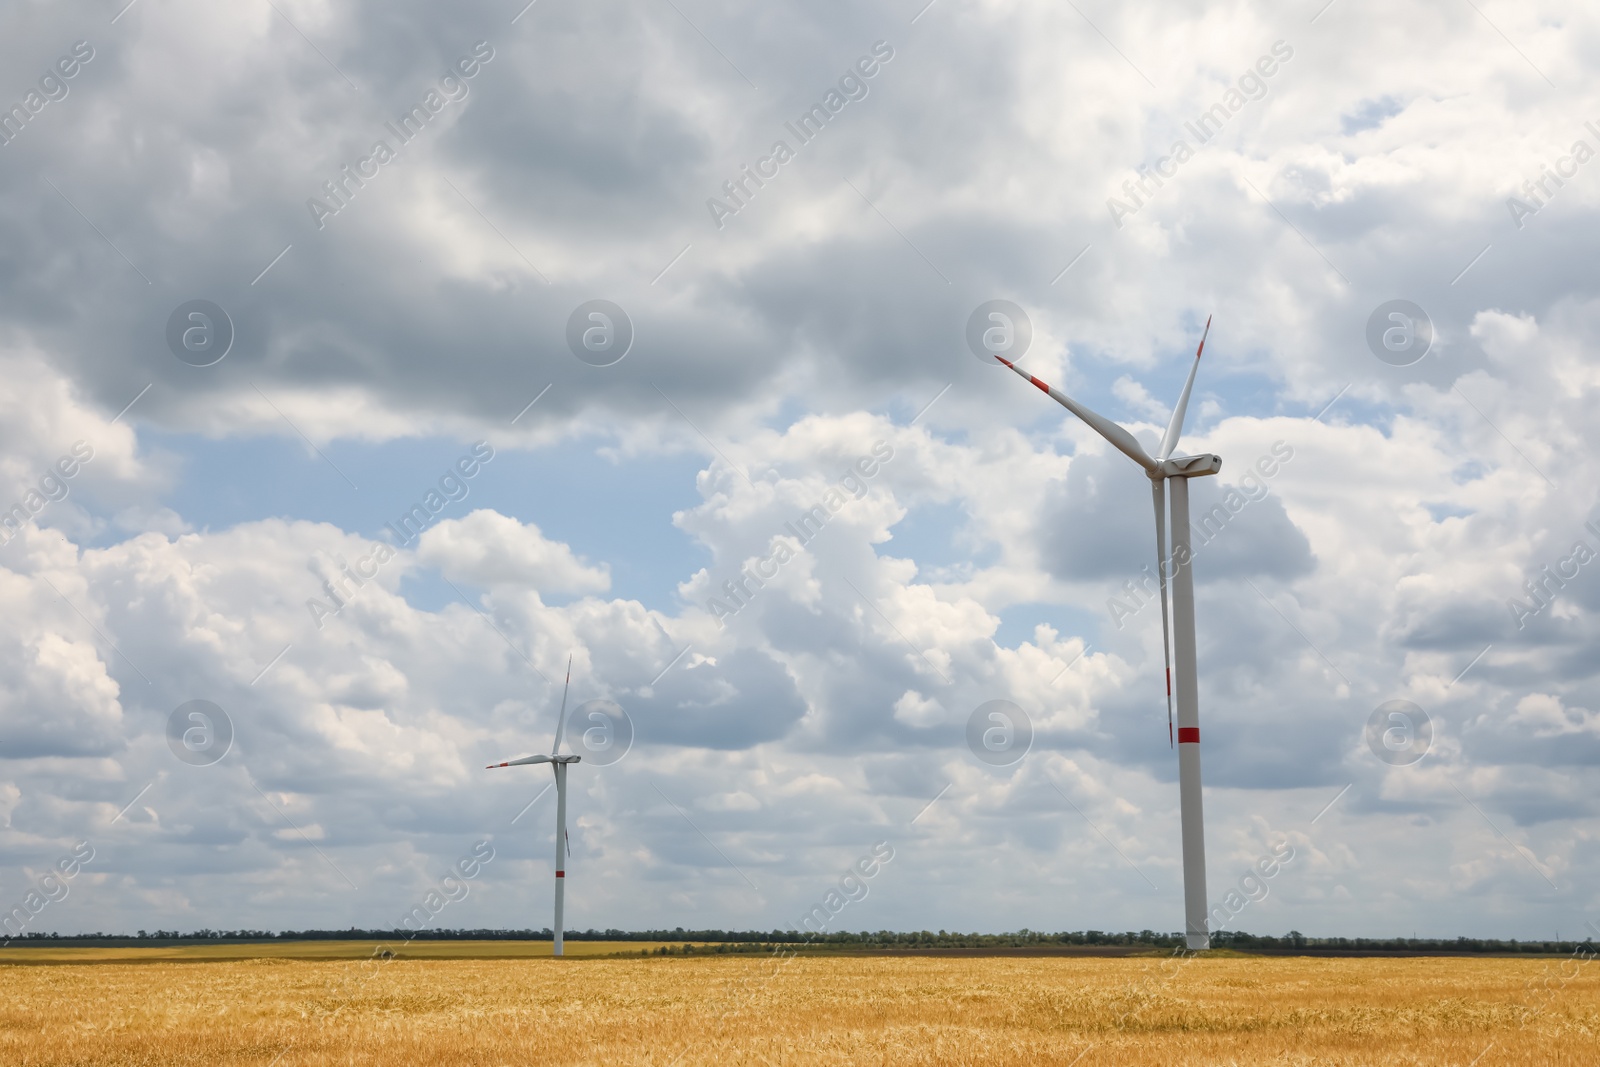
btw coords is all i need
(995, 1011)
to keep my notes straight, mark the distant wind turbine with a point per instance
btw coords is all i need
(1178, 470)
(558, 763)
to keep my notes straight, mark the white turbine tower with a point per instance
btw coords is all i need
(1161, 469)
(558, 763)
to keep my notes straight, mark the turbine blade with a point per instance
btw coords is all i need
(1120, 439)
(1158, 490)
(561, 720)
(524, 761)
(1169, 440)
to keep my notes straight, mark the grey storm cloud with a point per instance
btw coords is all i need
(543, 184)
(556, 153)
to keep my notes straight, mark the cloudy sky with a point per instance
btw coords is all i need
(395, 324)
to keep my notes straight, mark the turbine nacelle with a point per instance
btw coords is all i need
(525, 760)
(1187, 467)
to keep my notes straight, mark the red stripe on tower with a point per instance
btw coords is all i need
(563, 874)
(1188, 735)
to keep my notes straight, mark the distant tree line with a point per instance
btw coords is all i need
(720, 941)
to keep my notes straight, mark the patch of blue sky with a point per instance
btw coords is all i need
(1018, 621)
(617, 512)
(1370, 114)
(1441, 512)
(931, 534)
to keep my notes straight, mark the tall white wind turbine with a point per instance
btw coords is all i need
(558, 763)
(1162, 469)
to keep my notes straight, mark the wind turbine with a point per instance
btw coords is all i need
(558, 763)
(1161, 469)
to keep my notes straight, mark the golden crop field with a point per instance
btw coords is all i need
(982, 1011)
